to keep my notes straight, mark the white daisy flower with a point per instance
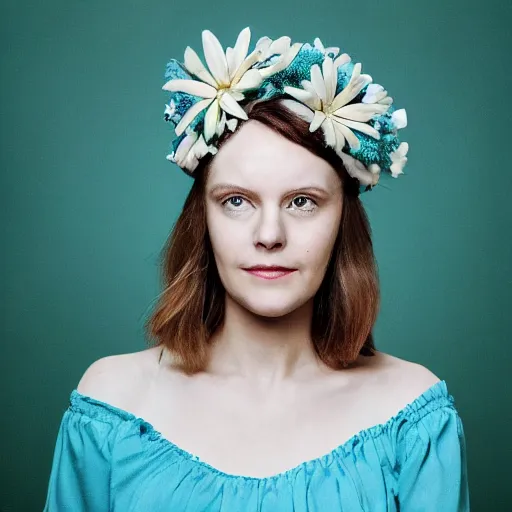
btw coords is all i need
(221, 85)
(318, 104)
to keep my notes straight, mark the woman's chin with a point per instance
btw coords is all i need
(271, 309)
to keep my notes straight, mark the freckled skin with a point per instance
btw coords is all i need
(287, 214)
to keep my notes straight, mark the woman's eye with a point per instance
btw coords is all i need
(302, 201)
(234, 201)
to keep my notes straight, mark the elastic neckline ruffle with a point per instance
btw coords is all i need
(433, 398)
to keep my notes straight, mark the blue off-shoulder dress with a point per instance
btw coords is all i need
(107, 459)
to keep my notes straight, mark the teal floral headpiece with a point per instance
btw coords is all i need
(326, 89)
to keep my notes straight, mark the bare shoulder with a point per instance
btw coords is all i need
(114, 379)
(402, 381)
(407, 372)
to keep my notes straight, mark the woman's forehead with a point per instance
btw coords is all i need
(257, 156)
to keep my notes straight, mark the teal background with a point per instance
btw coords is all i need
(88, 199)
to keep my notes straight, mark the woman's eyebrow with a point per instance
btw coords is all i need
(229, 186)
(232, 186)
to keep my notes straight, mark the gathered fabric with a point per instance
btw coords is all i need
(107, 459)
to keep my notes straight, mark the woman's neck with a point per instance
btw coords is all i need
(266, 350)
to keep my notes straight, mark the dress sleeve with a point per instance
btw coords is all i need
(80, 473)
(432, 455)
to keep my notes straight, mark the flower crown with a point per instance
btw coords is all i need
(326, 89)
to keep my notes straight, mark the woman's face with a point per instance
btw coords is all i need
(270, 202)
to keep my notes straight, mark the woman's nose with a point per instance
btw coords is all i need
(270, 231)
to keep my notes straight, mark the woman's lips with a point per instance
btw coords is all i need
(269, 273)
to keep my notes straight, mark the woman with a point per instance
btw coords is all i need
(264, 391)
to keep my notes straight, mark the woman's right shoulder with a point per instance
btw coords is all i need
(118, 379)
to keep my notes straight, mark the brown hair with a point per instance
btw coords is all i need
(191, 305)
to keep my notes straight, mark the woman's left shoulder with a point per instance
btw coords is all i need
(403, 380)
(409, 373)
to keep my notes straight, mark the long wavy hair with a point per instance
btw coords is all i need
(191, 305)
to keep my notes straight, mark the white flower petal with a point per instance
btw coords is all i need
(263, 43)
(221, 125)
(356, 169)
(302, 96)
(191, 114)
(230, 59)
(317, 121)
(356, 84)
(308, 86)
(328, 129)
(170, 109)
(330, 78)
(316, 103)
(251, 59)
(299, 109)
(263, 47)
(196, 67)
(251, 80)
(361, 111)
(283, 62)
(184, 147)
(237, 95)
(374, 88)
(230, 105)
(379, 97)
(211, 120)
(280, 46)
(397, 168)
(318, 44)
(348, 134)
(194, 87)
(340, 139)
(361, 127)
(399, 159)
(240, 51)
(201, 149)
(190, 163)
(403, 148)
(231, 124)
(342, 60)
(374, 168)
(215, 58)
(372, 93)
(318, 82)
(399, 118)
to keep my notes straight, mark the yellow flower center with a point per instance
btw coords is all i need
(221, 90)
(328, 110)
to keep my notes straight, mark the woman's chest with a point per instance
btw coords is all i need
(248, 433)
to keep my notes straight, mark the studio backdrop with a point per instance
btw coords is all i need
(88, 199)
